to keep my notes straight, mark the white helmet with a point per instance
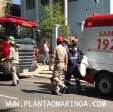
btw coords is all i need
(12, 39)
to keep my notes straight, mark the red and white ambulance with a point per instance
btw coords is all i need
(96, 42)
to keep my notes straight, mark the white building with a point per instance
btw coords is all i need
(78, 10)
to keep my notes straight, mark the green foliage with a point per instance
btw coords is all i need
(7, 8)
(53, 15)
(8, 5)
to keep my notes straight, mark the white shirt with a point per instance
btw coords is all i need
(14, 55)
(46, 48)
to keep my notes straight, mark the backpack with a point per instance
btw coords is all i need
(4, 48)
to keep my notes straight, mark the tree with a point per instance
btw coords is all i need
(53, 15)
(8, 6)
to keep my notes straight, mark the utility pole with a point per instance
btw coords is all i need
(51, 4)
(66, 11)
(54, 35)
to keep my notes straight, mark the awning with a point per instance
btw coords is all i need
(18, 20)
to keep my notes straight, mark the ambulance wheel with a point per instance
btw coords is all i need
(104, 84)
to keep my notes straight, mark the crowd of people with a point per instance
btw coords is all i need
(67, 59)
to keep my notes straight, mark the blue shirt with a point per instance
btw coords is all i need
(73, 59)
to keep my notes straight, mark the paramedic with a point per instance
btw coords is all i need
(59, 59)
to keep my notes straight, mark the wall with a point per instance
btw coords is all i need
(79, 10)
(111, 6)
(30, 14)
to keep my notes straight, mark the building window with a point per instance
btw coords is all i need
(30, 4)
(44, 2)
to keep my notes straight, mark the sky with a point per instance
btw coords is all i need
(16, 1)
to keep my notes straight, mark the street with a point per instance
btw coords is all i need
(33, 95)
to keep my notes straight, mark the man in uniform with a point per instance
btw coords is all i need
(14, 60)
(60, 60)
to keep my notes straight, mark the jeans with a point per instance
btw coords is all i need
(46, 59)
(72, 71)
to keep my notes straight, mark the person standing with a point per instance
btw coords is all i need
(75, 56)
(46, 51)
(59, 59)
(14, 60)
(72, 67)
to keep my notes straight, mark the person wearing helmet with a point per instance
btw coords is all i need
(59, 58)
(14, 60)
(11, 38)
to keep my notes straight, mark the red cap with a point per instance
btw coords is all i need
(60, 39)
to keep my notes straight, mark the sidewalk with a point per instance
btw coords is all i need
(43, 71)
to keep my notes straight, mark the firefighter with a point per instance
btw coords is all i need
(59, 59)
(14, 60)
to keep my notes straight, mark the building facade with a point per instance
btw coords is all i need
(15, 10)
(78, 10)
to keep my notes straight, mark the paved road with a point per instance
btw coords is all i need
(33, 95)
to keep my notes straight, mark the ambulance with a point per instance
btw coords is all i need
(96, 41)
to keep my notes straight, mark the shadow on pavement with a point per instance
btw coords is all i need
(44, 89)
(5, 84)
(5, 77)
(8, 110)
(89, 92)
